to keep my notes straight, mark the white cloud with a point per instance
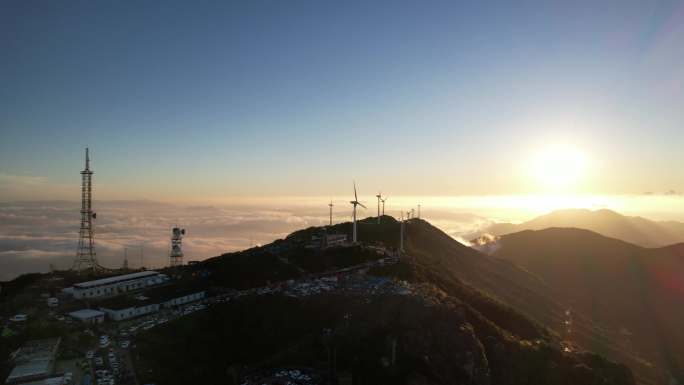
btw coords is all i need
(35, 234)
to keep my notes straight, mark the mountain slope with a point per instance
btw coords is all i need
(635, 294)
(635, 230)
(469, 325)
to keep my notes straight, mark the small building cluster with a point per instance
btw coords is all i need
(128, 296)
(119, 309)
(323, 241)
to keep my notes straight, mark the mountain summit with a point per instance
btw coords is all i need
(637, 230)
(441, 313)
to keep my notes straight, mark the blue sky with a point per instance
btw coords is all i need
(186, 100)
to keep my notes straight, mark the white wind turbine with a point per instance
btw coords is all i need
(331, 206)
(383, 206)
(401, 233)
(379, 196)
(355, 203)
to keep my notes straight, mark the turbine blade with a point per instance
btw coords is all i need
(361, 204)
(355, 197)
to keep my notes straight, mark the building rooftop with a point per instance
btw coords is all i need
(34, 358)
(34, 368)
(155, 295)
(86, 313)
(114, 279)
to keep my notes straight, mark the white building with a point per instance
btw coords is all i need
(89, 316)
(187, 298)
(113, 286)
(125, 312)
(119, 309)
(330, 240)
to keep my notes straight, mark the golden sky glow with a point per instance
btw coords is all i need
(558, 168)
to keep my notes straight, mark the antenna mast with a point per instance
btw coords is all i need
(85, 254)
(176, 256)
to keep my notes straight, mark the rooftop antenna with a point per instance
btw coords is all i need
(383, 206)
(379, 196)
(331, 206)
(176, 255)
(85, 254)
(355, 203)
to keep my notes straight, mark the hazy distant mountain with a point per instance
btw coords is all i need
(635, 230)
(635, 294)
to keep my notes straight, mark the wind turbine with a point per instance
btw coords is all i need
(418, 211)
(355, 203)
(401, 233)
(379, 196)
(331, 206)
(383, 206)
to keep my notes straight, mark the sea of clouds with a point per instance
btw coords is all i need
(35, 234)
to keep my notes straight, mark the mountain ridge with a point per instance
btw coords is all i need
(633, 229)
(635, 293)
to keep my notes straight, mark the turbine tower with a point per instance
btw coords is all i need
(419, 211)
(383, 206)
(331, 206)
(125, 263)
(379, 196)
(85, 254)
(401, 233)
(355, 203)
(176, 256)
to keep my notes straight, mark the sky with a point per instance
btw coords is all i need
(241, 120)
(208, 100)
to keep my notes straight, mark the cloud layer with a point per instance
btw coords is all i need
(34, 235)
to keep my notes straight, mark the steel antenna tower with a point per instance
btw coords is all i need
(85, 254)
(176, 255)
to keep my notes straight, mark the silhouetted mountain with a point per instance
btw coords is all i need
(635, 230)
(634, 294)
(469, 318)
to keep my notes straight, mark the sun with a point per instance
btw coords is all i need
(558, 168)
